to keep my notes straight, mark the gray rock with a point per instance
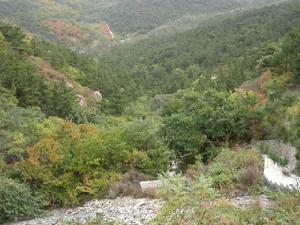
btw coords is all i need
(81, 100)
(149, 186)
(246, 200)
(97, 95)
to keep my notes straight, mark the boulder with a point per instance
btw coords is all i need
(68, 85)
(97, 95)
(81, 100)
(150, 186)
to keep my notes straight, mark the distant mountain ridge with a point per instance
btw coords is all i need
(145, 15)
(78, 24)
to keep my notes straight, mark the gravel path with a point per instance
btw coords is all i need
(127, 211)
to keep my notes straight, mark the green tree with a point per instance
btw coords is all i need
(210, 118)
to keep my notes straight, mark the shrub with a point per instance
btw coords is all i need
(141, 134)
(77, 162)
(200, 203)
(159, 160)
(137, 160)
(73, 162)
(285, 210)
(152, 156)
(249, 176)
(16, 201)
(129, 185)
(185, 204)
(196, 169)
(171, 187)
(233, 168)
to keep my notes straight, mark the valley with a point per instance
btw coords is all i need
(199, 98)
(79, 24)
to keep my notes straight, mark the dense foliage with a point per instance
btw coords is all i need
(16, 201)
(202, 121)
(25, 81)
(77, 161)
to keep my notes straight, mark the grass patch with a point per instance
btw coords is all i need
(202, 201)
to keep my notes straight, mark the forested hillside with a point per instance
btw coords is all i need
(42, 74)
(78, 24)
(58, 21)
(220, 48)
(75, 128)
(132, 16)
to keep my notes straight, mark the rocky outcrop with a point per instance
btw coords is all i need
(150, 186)
(126, 211)
(246, 200)
(85, 96)
(81, 100)
(69, 85)
(97, 95)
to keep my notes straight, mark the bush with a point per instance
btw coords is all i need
(249, 176)
(141, 134)
(199, 202)
(16, 201)
(152, 156)
(196, 169)
(129, 185)
(77, 162)
(185, 204)
(73, 163)
(234, 168)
